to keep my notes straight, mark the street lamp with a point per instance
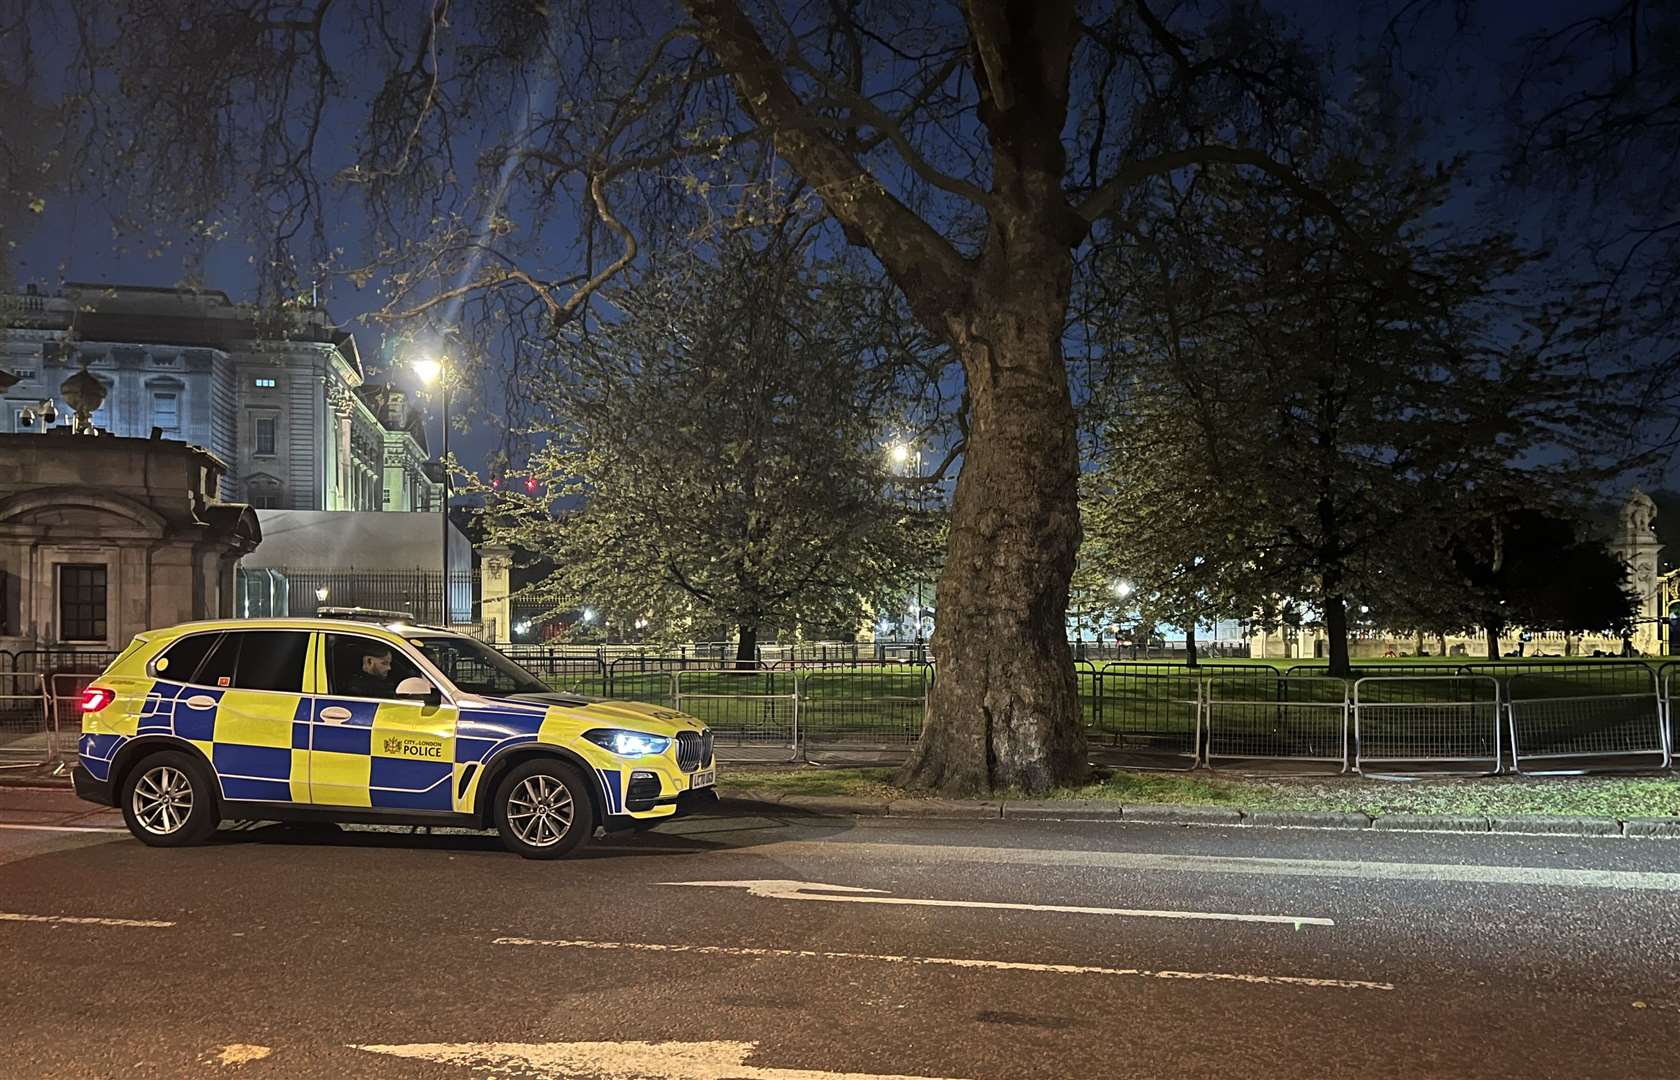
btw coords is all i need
(321, 595)
(436, 371)
(901, 455)
(1122, 589)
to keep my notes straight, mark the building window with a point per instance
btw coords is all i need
(264, 493)
(81, 603)
(264, 384)
(265, 436)
(166, 412)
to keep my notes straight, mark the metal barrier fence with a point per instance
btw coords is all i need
(758, 709)
(25, 730)
(1561, 719)
(1146, 719)
(883, 708)
(64, 704)
(1251, 718)
(1426, 720)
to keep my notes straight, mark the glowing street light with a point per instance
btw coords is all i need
(432, 370)
(1122, 589)
(588, 615)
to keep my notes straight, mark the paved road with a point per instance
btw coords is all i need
(1101, 950)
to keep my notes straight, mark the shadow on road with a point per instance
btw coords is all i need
(736, 825)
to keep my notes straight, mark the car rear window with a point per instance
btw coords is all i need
(239, 660)
(180, 661)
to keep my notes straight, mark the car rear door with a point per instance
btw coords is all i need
(246, 701)
(370, 748)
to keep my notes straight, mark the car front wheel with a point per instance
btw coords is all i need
(169, 800)
(542, 809)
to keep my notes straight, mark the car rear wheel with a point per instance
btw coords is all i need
(542, 809)
(169, 800)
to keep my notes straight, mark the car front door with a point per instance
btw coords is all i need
(368, 747)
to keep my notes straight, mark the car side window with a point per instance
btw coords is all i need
(180, 661)
(271, 660)
(366, 667)
(219, 666)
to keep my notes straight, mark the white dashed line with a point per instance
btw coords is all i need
(955, 962)
(63, 828)
(80, 920)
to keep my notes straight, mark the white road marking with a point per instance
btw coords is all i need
(618, 1060)
(922, 854)
(845, 894)
(63, 828)
(235, 1054)
(957, 962)
(79, 920)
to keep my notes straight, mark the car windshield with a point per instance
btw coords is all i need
(477, 668)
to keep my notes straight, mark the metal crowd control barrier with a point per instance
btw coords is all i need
(1613, 713)
(754, 715)
(1665, 679)
(65, 703)
(876, 712)
(1428, 720)
(1147, 720)
(1252, 718)
(25, 728)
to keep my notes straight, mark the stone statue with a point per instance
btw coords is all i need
(1638, 513)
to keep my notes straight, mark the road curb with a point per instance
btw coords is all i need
(1307, 819)
(1172, 814)
(1548, 825)
(1166, 813)
(1469, 823)
(1651, 827)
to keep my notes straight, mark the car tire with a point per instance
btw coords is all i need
(169, 799)
(543, 809)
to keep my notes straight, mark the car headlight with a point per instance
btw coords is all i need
(628, 743)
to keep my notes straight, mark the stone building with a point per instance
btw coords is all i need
(281, 399)
(101, 538)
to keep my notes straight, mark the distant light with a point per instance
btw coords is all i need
(522, 627)
(531, 484)
(641, 624)
(588, 614)
(1122, 589)
(900, 453)
(1363, 610)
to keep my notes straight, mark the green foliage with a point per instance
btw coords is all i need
(1310, 404)
(716, 452)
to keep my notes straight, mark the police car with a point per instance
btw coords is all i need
(372, 719)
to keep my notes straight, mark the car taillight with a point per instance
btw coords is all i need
(95, 698)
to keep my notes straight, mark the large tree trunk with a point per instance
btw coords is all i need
(1336, 630)
(1190, 642)
(1493, 632)
(746, 647)
(1004, 712)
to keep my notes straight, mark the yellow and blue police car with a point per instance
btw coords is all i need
(371, 719)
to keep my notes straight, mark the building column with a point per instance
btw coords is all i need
(496, 611)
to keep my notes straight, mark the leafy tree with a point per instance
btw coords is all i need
(1531, 568)
(718, 447)
(1309, 413)
(973, 149)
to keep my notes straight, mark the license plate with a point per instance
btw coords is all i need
(704, 779)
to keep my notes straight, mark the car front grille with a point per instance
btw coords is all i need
(694, 750)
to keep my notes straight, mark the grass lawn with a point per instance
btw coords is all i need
(1607, 796)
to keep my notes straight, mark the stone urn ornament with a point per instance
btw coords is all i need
(84, 394)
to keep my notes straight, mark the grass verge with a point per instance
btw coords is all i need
(1601, 796)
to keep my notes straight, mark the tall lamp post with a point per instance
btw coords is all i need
(905, 456)
(437, 371)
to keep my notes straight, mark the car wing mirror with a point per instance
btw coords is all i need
(417, 689)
